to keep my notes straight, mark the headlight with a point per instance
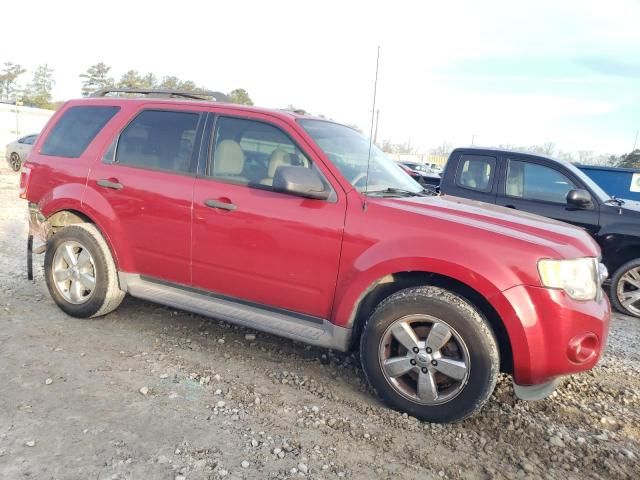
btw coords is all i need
(580, 277)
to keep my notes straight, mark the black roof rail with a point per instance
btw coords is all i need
(164, 93)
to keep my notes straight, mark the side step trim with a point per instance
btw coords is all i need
(319, 332)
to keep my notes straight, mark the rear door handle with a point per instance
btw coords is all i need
(115, 185)
(218, 204)
(511, 206)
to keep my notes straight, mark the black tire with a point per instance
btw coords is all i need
(15, 162)
(615, 283)
(107, 295)
(463, 318)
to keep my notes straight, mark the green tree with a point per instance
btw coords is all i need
(170, 82)
(38, 92)
(188, 86)
(241, 96)
(95, 78)
(8, 79)
(630, 160)
(131, 79)
(149, 81)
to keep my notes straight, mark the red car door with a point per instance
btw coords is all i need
(251, 243)
(147, 179)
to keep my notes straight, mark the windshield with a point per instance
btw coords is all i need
(595, 188)
(348, 150)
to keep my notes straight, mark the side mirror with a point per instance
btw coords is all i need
(579, 198)
(300, 181)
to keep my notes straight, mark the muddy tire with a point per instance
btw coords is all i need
(80, 272)
(429, 352)
(624, 290)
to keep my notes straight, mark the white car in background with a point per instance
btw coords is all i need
(18, 150)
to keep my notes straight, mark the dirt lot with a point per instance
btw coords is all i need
(148, 392)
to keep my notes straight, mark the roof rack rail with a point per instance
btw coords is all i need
(164, 93)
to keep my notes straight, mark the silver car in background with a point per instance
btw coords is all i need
(18, 150)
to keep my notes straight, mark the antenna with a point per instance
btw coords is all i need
(373, 115)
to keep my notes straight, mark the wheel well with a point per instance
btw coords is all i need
(622, 257)
(64, 218)
(402, 280)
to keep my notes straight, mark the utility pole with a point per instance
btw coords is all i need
(635, 142)
(18, 103)
(473, 138)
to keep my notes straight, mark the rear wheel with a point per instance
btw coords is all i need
(428, 352)
(14, 162)
(625, 288)
(80, 272)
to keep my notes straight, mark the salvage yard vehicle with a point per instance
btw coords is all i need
(423, 177)
(298, 227)
(556, 189)
(17, 151)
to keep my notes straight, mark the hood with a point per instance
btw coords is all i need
(629, 206)
(566, 240)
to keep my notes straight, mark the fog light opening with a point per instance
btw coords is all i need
(582, 348)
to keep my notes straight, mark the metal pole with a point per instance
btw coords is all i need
(17, 123)
(635, 142)
(375, 135)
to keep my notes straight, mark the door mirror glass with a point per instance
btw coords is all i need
(579, 198)
(300, 181)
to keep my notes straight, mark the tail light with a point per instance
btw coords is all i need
(24, 181)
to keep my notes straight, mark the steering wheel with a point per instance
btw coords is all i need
(358, 177)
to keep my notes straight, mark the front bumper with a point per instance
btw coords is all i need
(551, 334)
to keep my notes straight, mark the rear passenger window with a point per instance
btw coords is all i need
(476, 172)
(159, 140)
(75, 130)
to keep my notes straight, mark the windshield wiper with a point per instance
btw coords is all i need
(615, 200)
(399, 191)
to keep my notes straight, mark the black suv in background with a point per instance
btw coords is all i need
(556, 189)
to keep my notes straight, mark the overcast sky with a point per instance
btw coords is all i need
(511, 72)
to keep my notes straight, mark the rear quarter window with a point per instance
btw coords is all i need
(75, 130)
(476, 172)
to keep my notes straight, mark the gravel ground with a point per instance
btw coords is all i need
(149, 392)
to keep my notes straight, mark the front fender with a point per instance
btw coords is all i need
(356, 285)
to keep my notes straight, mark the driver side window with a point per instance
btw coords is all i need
(249, 152)
(531, 181)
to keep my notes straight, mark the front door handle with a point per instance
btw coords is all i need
(511, 206)
(217, 204)
(114, 184)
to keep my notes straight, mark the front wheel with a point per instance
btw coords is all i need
(625, 288)
(428, 352)
(15, 162)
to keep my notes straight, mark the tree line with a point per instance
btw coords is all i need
(39, 91)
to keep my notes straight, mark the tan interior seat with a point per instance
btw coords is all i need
(278, 158)
(228, 161)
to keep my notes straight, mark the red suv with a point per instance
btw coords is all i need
(296, 226)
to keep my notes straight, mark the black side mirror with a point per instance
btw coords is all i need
(579, 198)
(300, 181)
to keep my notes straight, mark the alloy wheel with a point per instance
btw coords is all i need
(628, 290)
(14, 161)
(424, 359)
(74, 272)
